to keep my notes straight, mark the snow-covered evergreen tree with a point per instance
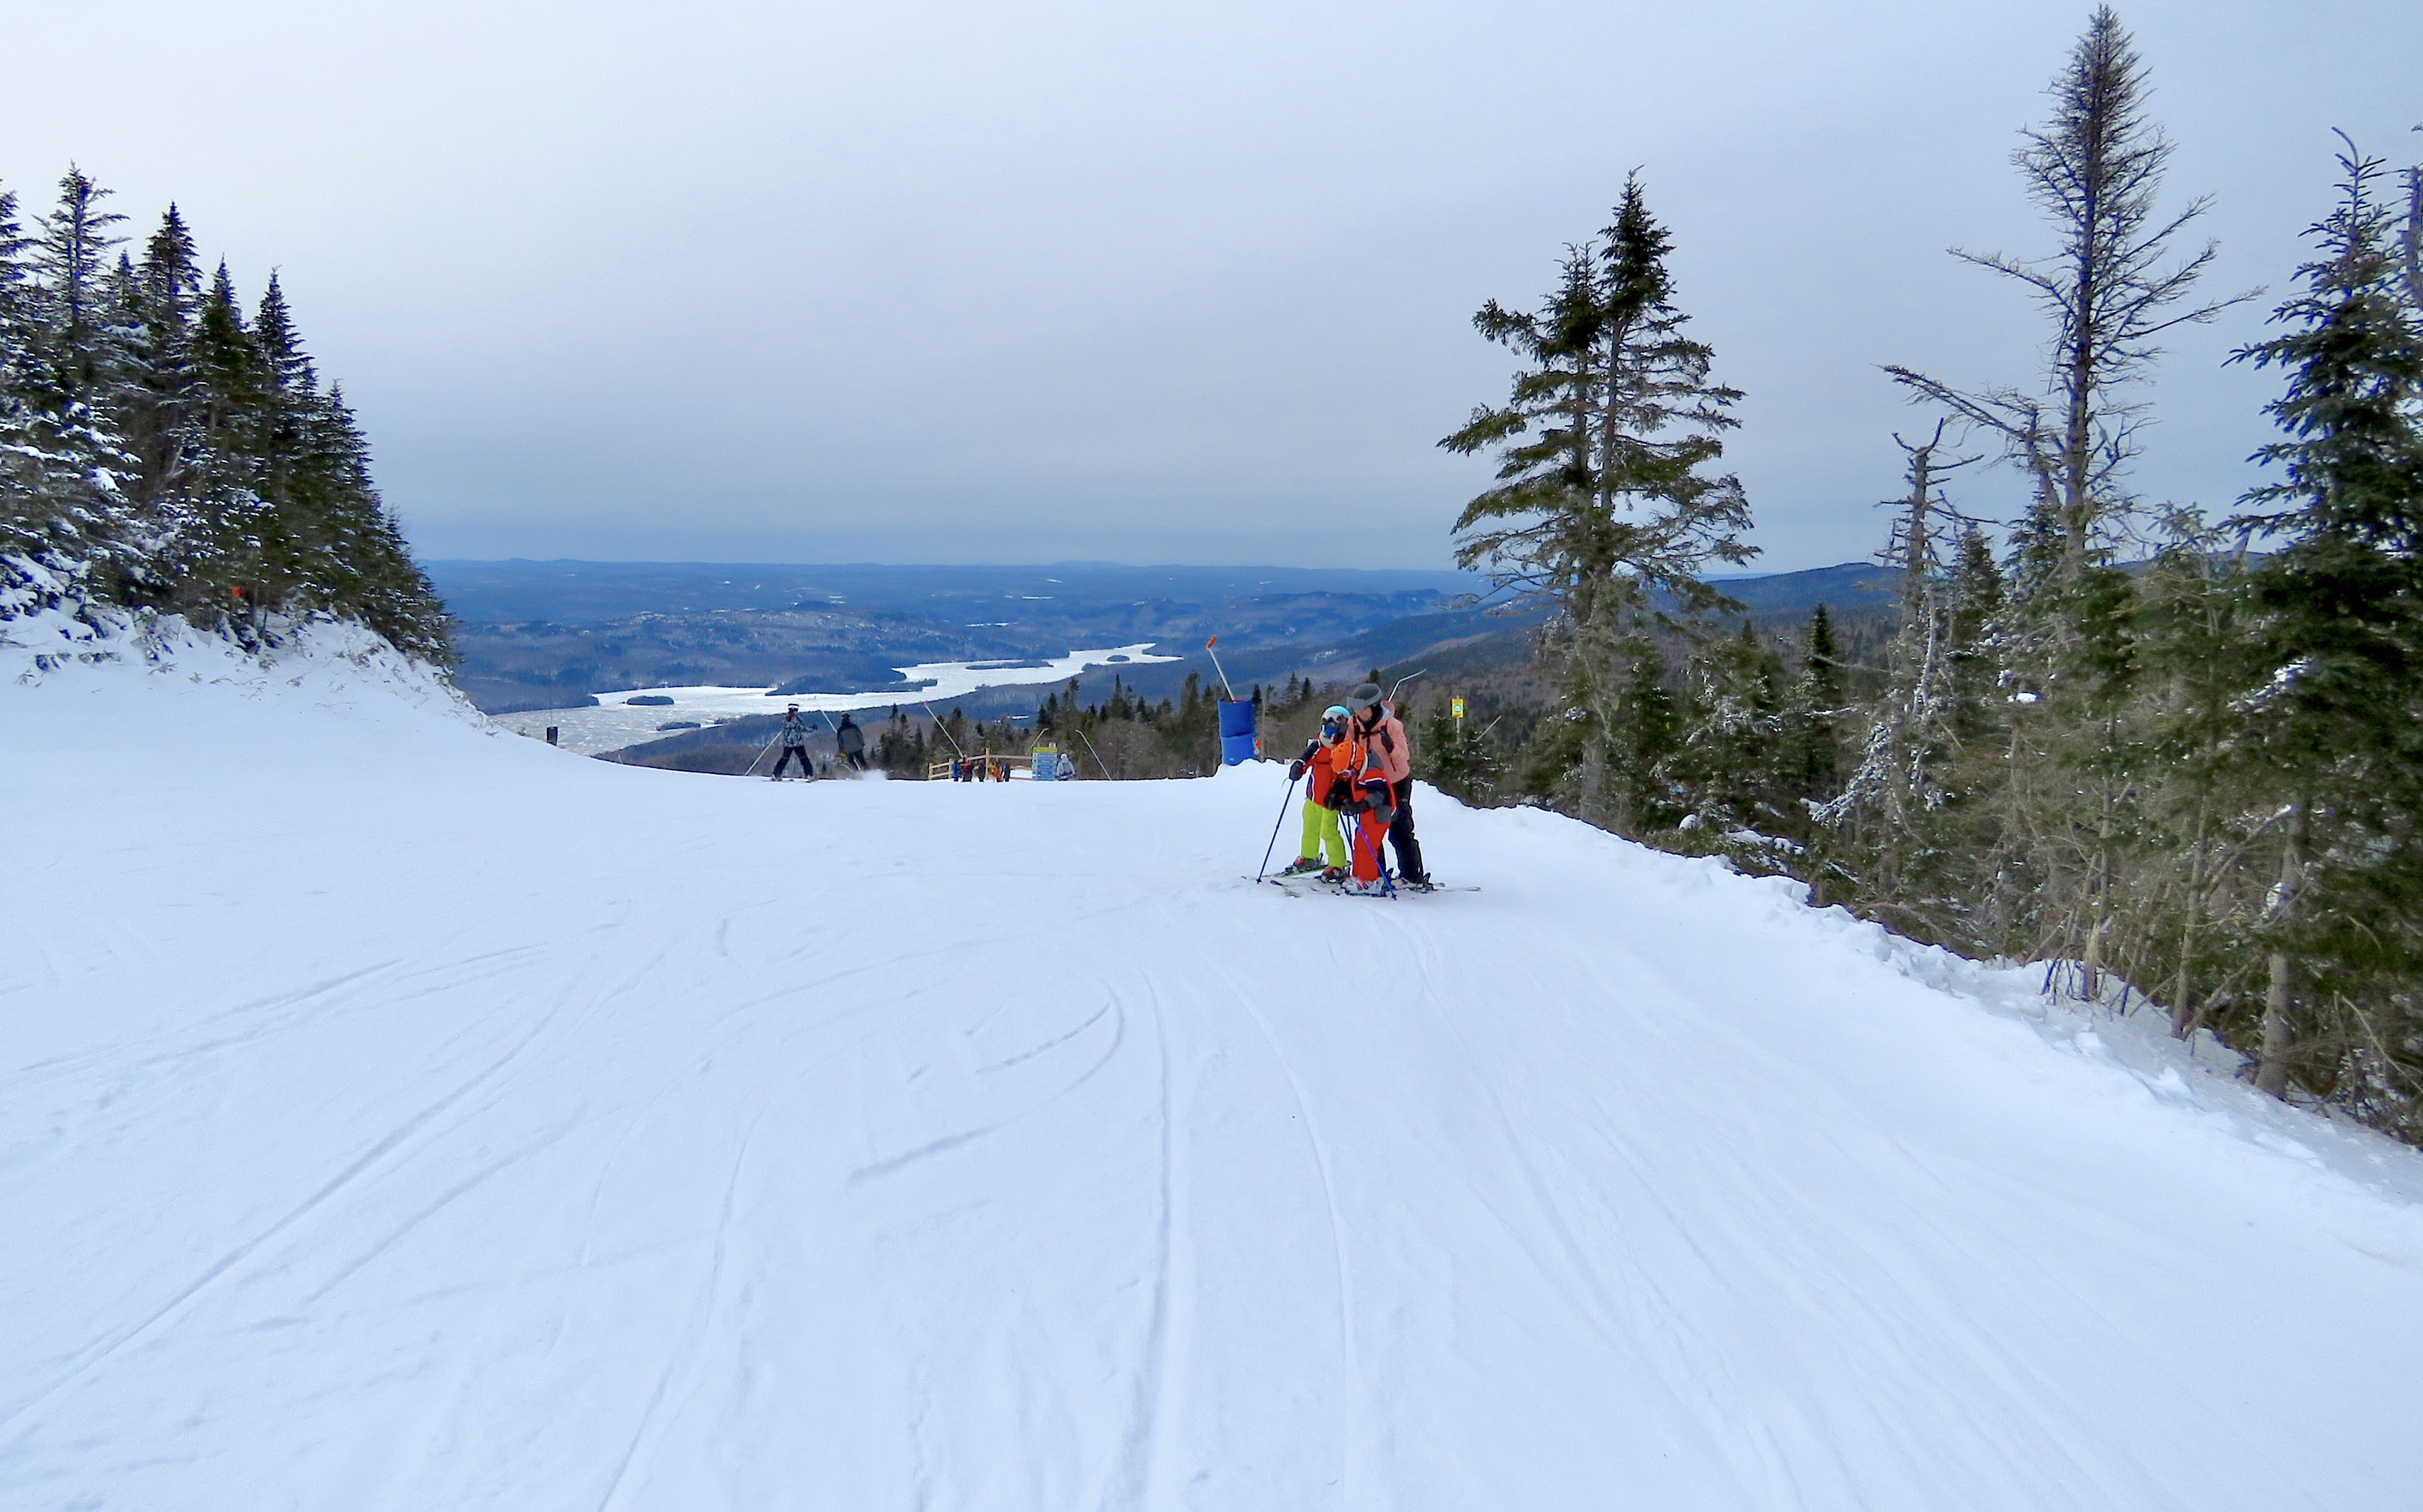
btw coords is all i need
(23, 464)
(1731, 765)
(68, 523)
(159, 453)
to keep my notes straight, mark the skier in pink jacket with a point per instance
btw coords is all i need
(1383, 735)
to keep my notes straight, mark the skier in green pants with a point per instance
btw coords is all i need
(1323, 849)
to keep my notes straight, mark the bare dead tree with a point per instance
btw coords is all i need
(1911, 735)
(2113, 287)
(1924, 515)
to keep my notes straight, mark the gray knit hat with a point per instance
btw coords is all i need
(1366, 696)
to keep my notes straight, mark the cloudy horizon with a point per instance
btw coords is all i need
(977, 283)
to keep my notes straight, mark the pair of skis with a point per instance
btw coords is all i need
(1298, 884)
(1303, 883)
(1287, 881)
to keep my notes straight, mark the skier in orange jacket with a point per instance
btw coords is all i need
(1327, 785)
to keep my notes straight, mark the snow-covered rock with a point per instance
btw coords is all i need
(395, 1112)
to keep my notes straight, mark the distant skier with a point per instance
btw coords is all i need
(1325, 757)
(850, 741)
(1386, 754)
(795, 746)
(1067, 767)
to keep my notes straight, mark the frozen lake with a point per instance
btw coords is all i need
(616, 723)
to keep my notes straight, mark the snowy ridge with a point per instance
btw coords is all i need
(394, 1114)
(2124, 1034)
(73, 643)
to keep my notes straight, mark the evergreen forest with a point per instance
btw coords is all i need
(161, 449)
(2168, 750)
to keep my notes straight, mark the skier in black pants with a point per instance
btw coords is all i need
(794, 745)
(850, 741)
(1382, 736)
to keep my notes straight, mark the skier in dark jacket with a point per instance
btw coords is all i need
(1384, 736)
(850, 741)
(794, 745)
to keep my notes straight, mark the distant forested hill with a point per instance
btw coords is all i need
(537, 634)
(533, 634)
(587, 593)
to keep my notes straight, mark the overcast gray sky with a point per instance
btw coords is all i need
(943, 282)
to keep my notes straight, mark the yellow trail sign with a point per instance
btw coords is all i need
(1455, 706)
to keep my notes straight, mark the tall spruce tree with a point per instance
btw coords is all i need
(72, 259)
(22, 457)
(1817, 700)
(1604, 508)
(71, 457)
(164, 401)
(2198, 662)
(2339, 718)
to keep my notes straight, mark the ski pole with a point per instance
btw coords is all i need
(945, 733)
(838, 757)
(761, 753)
(1284, 796)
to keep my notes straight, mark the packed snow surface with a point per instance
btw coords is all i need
(616, 723)
(396, 1113)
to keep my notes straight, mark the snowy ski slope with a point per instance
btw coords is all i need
(399, 1114)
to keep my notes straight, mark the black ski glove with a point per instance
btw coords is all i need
(1295, 769)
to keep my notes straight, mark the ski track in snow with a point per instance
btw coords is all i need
(395, 1113)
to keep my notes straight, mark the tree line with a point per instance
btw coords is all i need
(163, 448)
(2163, 748)
(1122, 734)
